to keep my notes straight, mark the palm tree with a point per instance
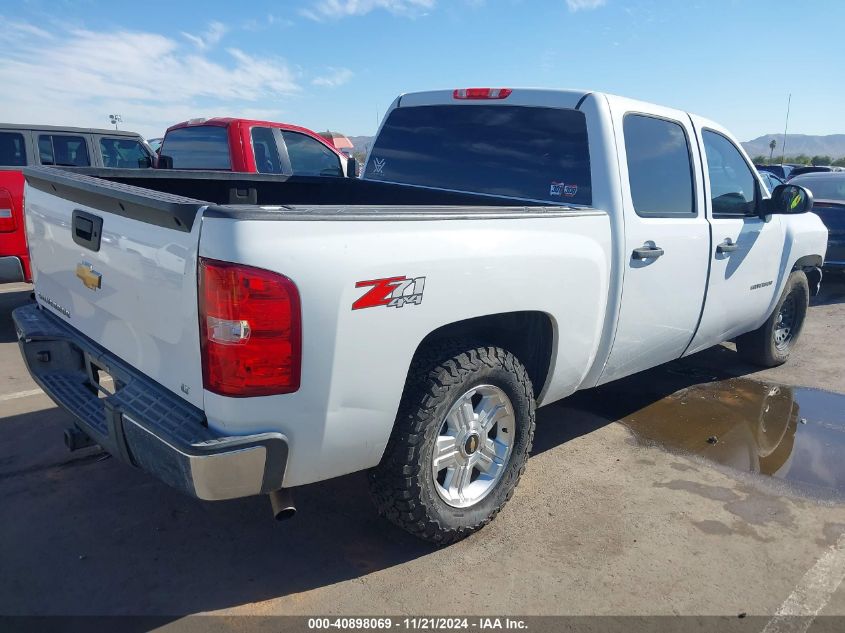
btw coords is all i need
(772, 145)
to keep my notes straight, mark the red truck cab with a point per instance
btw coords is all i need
(245, 145)
(22, 145)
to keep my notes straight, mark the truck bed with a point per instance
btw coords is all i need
(220, 187)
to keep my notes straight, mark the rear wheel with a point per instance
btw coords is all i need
(460, 444)
(771, 344)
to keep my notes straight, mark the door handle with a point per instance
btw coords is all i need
(727, 246)
(647, 252)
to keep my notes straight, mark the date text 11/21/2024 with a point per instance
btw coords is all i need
(418, 623)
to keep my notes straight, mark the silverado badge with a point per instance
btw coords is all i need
(90, 277)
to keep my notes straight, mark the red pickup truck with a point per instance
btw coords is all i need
(245, 145)
(22, 145)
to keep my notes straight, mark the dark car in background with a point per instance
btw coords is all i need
(813, 169)
(829, 204)
(781, 171)
(770, 179)
(25, 145)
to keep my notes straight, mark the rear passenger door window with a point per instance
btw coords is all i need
(308, 156)
(659, 167)
(12, 149)
(733, 186)
(126, 153)
(62, 150)
(265, 150)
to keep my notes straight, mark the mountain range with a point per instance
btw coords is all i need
(832, 145)
(361, 143)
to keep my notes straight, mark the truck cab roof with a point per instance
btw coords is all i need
(65, 128)
(229, 121)
(538, 97)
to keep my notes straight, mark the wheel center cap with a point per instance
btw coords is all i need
(471, 443)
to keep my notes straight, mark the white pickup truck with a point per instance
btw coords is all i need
(505, 249)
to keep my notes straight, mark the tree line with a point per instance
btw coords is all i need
(800, 159)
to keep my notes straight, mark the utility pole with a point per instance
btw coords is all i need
(785, 128)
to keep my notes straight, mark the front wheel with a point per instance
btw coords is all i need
(460, 443)
(771, 344)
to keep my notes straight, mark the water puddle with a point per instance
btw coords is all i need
(790, 433)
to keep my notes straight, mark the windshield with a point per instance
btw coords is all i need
(515, 151)
(823, 188)
(198, 147)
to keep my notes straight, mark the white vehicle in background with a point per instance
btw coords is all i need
(504, 249)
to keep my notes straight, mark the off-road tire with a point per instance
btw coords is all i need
(402, 485)
(759, 346)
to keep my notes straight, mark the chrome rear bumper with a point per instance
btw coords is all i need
(142, 422)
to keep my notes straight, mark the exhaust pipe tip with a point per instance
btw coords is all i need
(281, 502)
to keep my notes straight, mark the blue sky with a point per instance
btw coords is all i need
(339, 63)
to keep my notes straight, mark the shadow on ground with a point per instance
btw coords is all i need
(590, 409)
(87, 535)
(8, 302)
(832, 290)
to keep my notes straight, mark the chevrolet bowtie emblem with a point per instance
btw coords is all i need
(90, 277)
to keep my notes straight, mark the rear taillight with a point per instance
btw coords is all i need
(250, 330)
(7, 214)
(482, 93)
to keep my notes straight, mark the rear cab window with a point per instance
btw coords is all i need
(12, 149)
(63, 150)
(121, 152)
(532, 153)
(198, 147)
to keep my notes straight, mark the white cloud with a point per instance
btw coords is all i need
(335, 9)
(268, 21)
(334, 77)
(584, 5)
(14, 30)
(152, 80)
(210, 38)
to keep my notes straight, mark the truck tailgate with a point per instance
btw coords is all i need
(119, 264)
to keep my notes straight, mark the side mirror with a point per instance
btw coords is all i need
(165, 162)
(145, 162)
(790, 199)
(351, 168)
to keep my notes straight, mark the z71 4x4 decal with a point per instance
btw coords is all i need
(393, 292)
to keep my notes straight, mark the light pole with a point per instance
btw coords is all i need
(115, 119)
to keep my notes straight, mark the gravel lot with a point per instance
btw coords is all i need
(605, 521)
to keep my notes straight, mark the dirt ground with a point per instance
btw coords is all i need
(602, 522)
